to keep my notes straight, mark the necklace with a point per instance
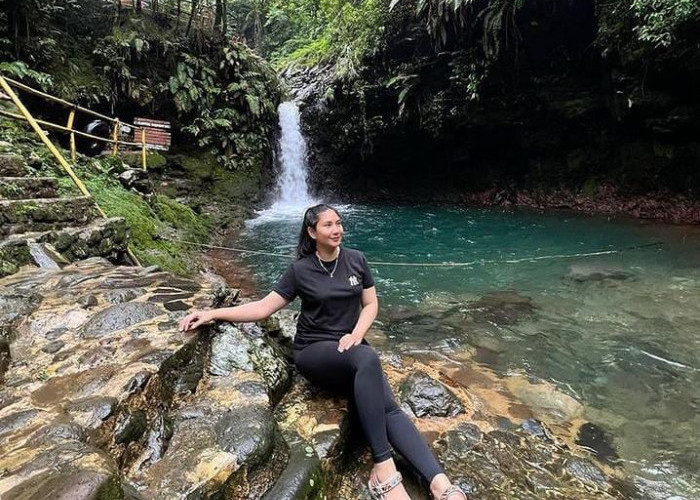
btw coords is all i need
(337, 258)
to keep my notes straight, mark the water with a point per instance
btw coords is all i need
(619, 332)
(292, 191)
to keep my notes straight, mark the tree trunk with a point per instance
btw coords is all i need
(218, 15)
(193, 7)
(224, 22)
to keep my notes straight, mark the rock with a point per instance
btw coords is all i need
(535, 428)
(270, 363)
(588, 272)
(545, 400)
(302, 477)
(118, 317)
(53, 346)
(56, 333)
(248, 432)
(459, 441)
(12, 165)
(137, 382)
(427, 397)
(593, 438)
(282, 327)
(225, 296)
(585, 471)
(14, 421)
(57, 432)
(130, 427)
(87, 301)
(14, 305)
(502, 308)
(229, 351)
(72, 470)
(124, 295)
(137, 180)
(92, 411)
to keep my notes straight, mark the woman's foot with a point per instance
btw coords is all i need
(384, 478)
(442, 489)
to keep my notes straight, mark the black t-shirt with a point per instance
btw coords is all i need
(330, 307)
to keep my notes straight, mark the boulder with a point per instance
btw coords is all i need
(427, 397)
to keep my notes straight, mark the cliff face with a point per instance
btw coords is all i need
(563, 105)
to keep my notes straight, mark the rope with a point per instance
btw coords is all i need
(435, 264)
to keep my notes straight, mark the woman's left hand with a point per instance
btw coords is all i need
(348, 341)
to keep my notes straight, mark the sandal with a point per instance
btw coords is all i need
(451, 491)
(379, 490)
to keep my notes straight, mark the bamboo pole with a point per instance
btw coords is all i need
(143, 148)
(65, 129)
(31, 90)
(71, 118)
(115, 138)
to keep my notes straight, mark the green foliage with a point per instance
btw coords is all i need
(339, 33)
(659, 20)
(230, 105)
(21, 71)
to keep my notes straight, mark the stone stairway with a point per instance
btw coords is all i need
(37, 227)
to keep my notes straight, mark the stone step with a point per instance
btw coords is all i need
(101, 238)
(12, 165)
(16, 188)
(44, 214)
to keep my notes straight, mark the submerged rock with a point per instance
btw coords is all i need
(594, 439)
(427, 397)
(502, 308)
(588, 272)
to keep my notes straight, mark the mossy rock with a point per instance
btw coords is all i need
(154, 160)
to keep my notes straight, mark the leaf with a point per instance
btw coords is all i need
(404, 94)
(253, 104)
(393, 4)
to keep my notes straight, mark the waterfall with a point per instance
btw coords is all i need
(292, 189)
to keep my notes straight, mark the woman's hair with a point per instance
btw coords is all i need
(307, 245)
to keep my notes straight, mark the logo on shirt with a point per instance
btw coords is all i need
(354, 281)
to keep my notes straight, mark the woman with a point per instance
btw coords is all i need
(338, 305)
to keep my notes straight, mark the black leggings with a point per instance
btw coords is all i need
(357, 374)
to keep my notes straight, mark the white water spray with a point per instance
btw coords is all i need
(292, 188)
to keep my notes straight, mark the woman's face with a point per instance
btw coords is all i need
(328, 231)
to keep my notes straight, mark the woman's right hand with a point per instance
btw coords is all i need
(195, 319)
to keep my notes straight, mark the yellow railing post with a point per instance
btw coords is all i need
(143, 147)
(115, 137)
(71, 118)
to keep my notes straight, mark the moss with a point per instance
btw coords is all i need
(146, 229)
(190, 225)
(154, 160)
(235, 186)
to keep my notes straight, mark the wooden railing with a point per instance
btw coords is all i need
(116, 124)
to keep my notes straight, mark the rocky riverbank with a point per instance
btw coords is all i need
(103, 397)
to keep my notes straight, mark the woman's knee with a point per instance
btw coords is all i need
(365, 358)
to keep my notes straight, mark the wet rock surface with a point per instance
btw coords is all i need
(425, 396)
(112, 401)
